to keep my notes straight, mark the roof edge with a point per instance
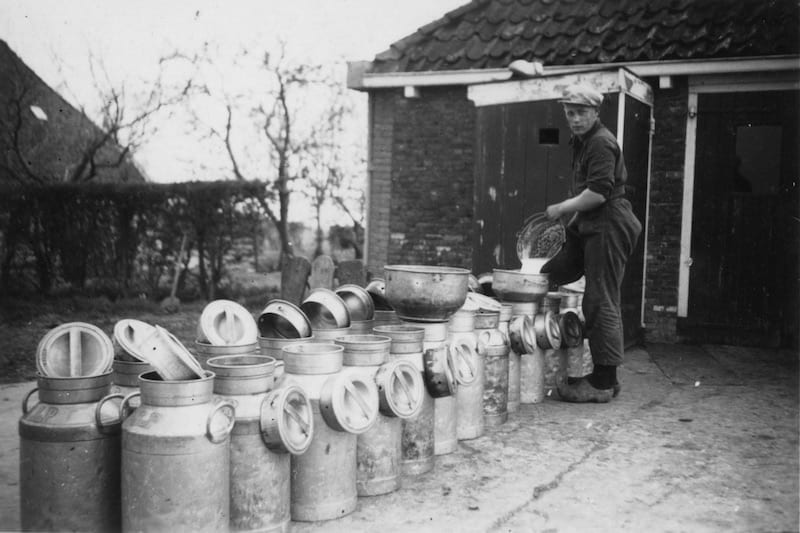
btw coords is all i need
(359, 77)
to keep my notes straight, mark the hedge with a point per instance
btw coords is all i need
(122, 237)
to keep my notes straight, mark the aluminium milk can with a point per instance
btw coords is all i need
(469, 371)
(125, 376)
(69, 456)
(515, 356)
(445, 412)
(323, 480)
(362, 327)
(260, 468)
(331, 334)
(493, 347)
(400, 388)
(417, 440)
(176, 457)
(512, 405)
(205, 351)
(548, 339)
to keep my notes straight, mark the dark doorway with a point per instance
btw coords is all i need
(743, 282)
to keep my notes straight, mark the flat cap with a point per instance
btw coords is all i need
(582, 94)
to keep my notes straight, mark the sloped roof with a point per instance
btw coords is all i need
(39, 125)
(492, 33)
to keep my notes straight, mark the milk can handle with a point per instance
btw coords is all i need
(220, 436)
(124, 405)
(98, 419)
(25, 400)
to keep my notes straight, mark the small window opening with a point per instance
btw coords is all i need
(548, 135)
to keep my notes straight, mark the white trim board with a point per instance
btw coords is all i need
(552, 87)
(358, 78)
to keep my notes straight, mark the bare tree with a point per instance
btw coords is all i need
(126, 121)
(328, 176)
(269, 129)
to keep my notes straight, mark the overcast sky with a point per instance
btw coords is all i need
(55, 37)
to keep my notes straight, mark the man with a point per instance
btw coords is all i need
(601, 235)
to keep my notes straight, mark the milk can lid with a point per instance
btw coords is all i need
(465, 361)
(169, 357)
(400, 389)
(129, 334)
(283, 320)
(440, 377)
(547, 330)
(224, 322)
(569, 324)
(287, 420)
(349, 403)
(358, 301)
(74, 349)
(483, 302)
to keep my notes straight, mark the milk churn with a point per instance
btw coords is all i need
(323, 481)
(514, 356)
(569, 324)
(385, 317)
(469, 373)
(417, 440)
(273, 347)
(579, 356)
(513, 361)
(445, 411)
(400, 391)
(522, 338)
(259, 482)
(551, 302)
(205, 351)
(69, 456)
(125, 376)
(331, 334)
(493, 347)
(176, 457)
(361, 327)
(548, 339)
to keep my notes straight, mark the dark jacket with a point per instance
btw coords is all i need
(597, 163)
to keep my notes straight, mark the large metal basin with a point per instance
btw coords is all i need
(515, 286)
(425, 293)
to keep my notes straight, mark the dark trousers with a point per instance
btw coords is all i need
(599, 246)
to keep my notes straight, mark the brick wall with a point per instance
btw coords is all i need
(430, 187)
(381, 133)
(666, 204)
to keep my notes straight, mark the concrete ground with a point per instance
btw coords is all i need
(702, 438)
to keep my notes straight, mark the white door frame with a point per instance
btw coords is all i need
(781, 81)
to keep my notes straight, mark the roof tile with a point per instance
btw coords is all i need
(492, 33)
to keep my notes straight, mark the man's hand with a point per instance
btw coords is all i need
(554, 211)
